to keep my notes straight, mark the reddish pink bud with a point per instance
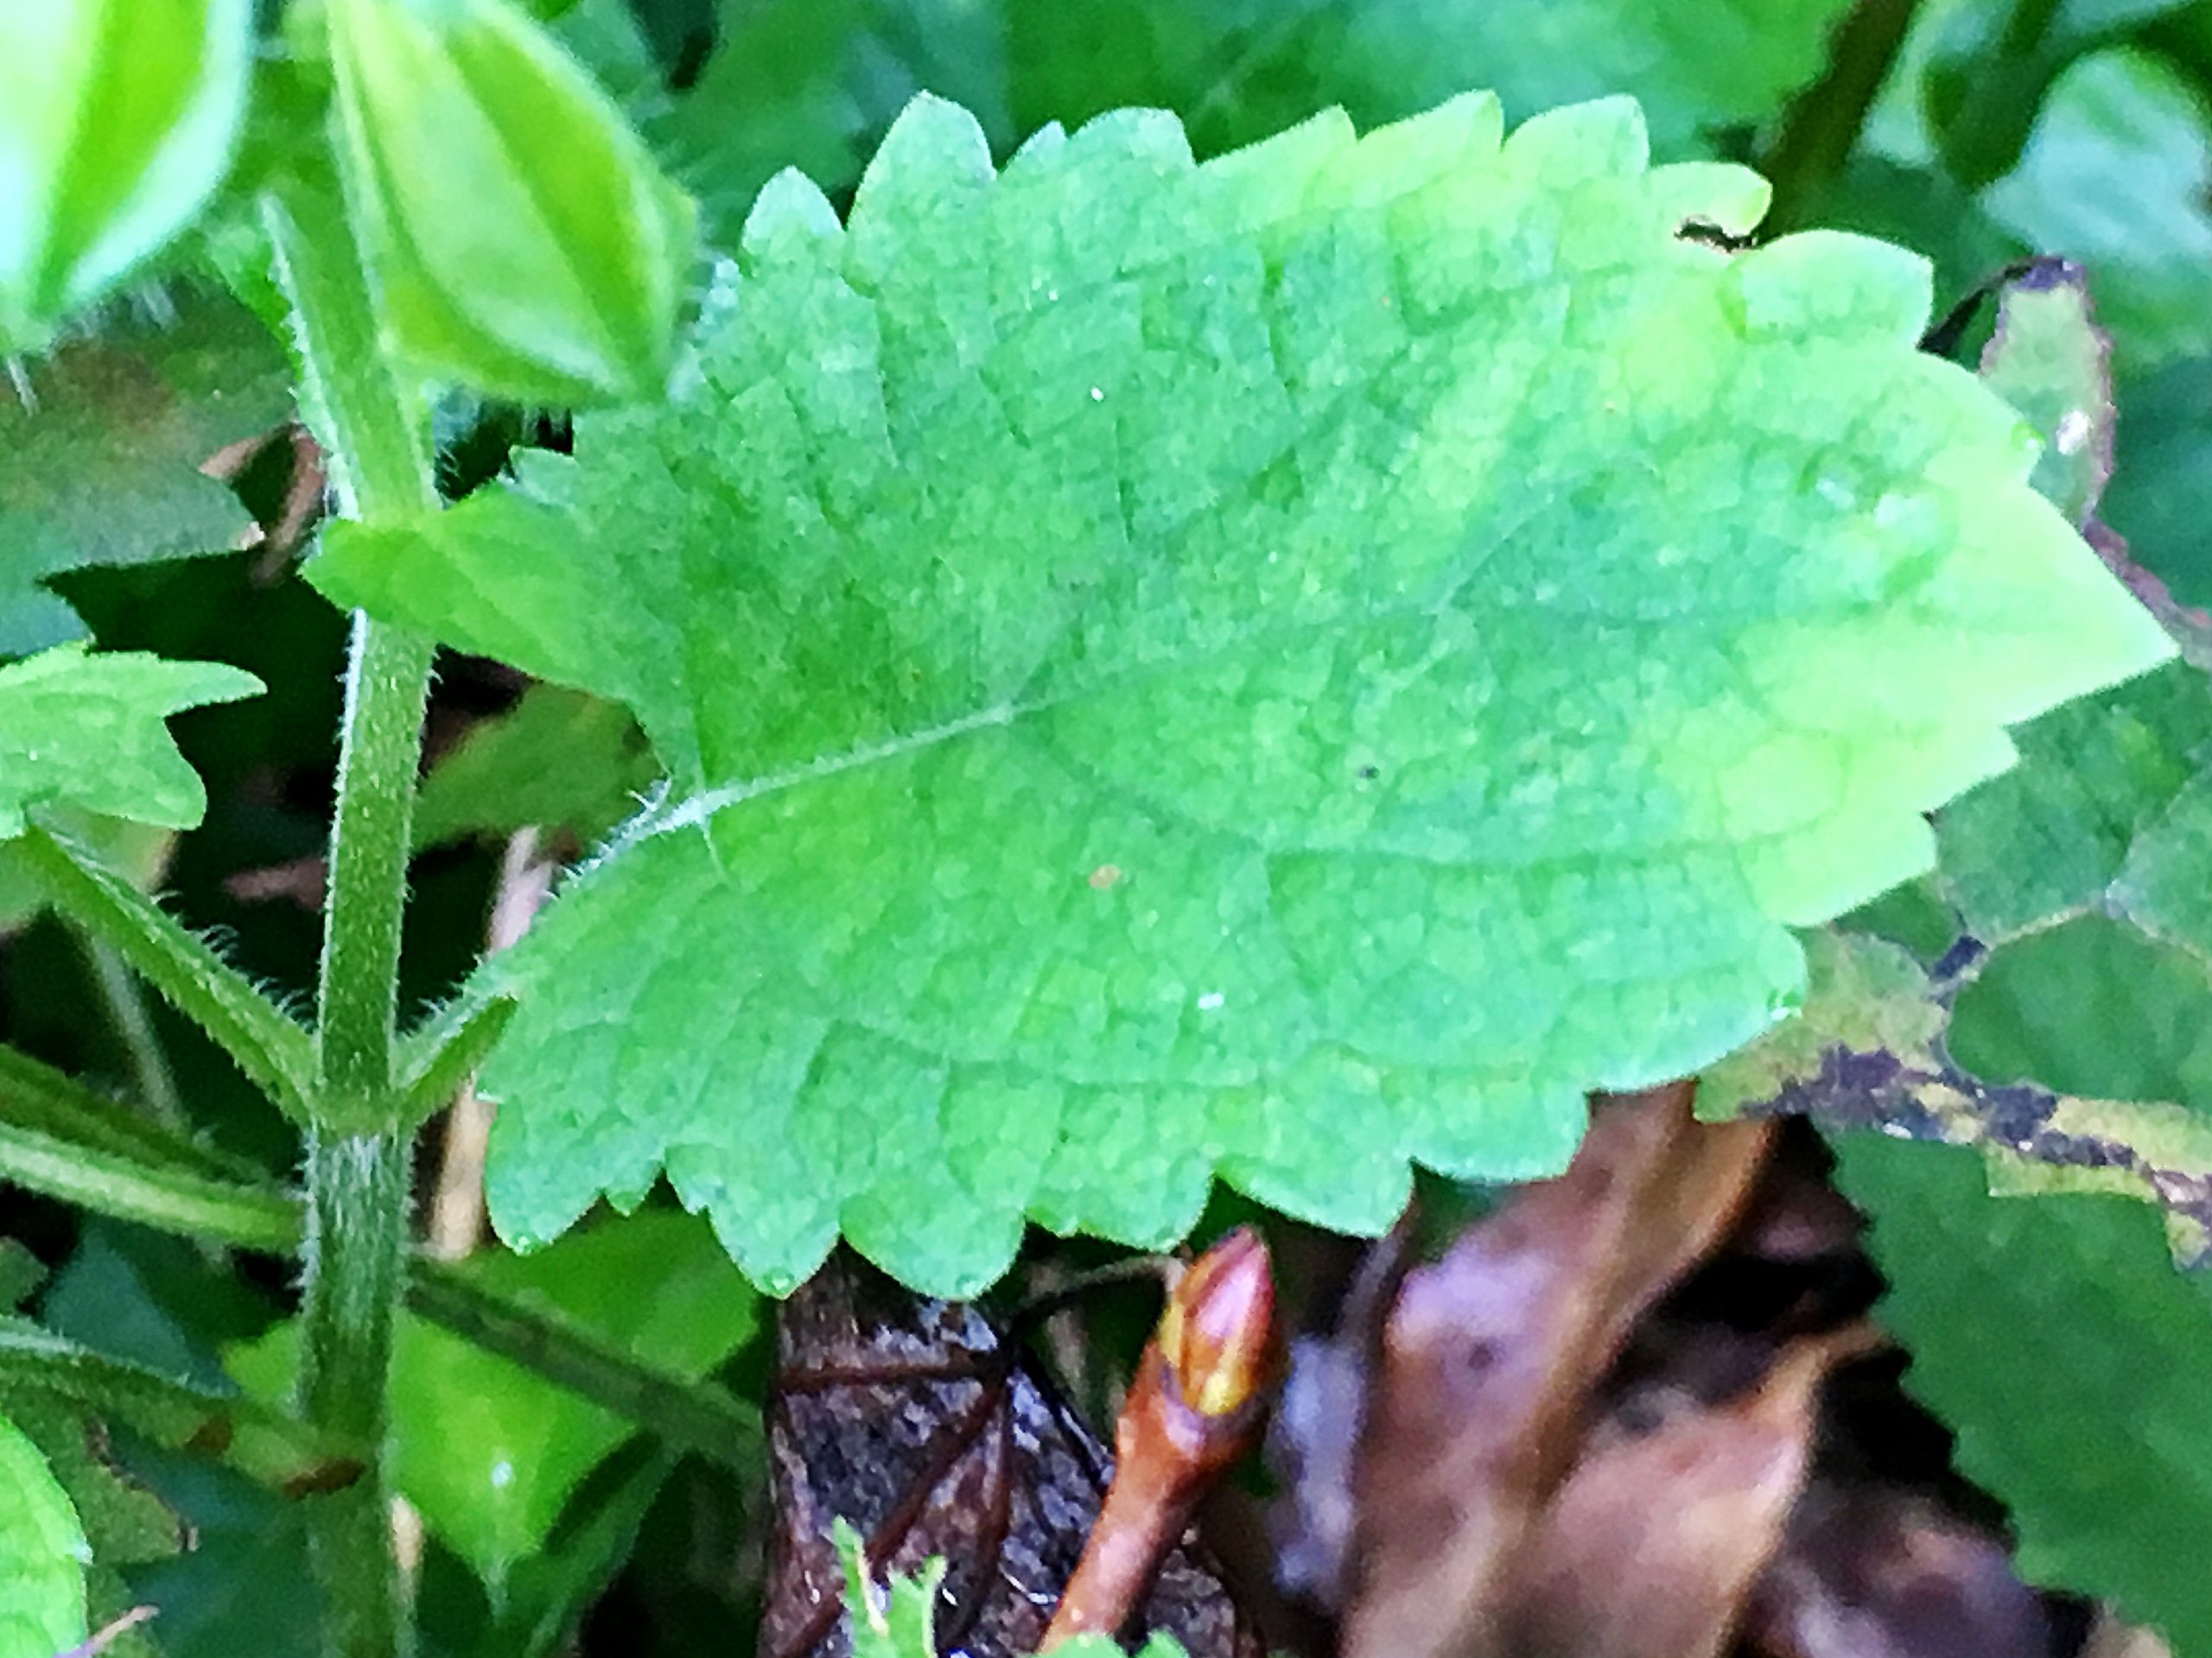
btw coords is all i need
(1219, 1334)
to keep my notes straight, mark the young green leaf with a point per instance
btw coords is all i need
(82, 730)
(101, 463)
(524, 243)
(489, 1452)
(894, 1620)
(1275, 668)
(2054, 1336)
(118, 118)
(2051, 361)
(42, 1555)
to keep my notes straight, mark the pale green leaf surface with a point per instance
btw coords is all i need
(42, 1555)
(102, 465)
(85, 731)
(2054, 1336)
(490, 1451)
(1272, 669)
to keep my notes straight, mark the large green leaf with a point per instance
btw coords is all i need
(2110, 810)
(85, 731)
(814, 83)
(1275, 668)
(488, 1451)
(42, 1555)
(101, 445)
(2053, 1335)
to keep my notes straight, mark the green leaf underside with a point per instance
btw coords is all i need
(489, 1452)
(2052, 1335)
(556, 759)
(1274, 669)
(102, 466)
(85, 731)
(42, 1555)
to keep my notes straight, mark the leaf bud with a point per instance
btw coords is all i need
(1217, 1335)
(523, 242)
(117, 120)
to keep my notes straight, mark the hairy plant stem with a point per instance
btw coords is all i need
(59, 1138)
(359, 1154)
(134, 1024)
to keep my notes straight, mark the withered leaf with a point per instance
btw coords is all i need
(919, 1422)
(1490, 1356)
(1652, 1545)
(1877, 1571)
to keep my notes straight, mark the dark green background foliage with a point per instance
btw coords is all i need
(1973, 131)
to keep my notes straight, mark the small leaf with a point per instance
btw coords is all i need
(42, 1555)
(1270, 668)
(85, 731)
(519, 264)
(489, 1452)
(894, 1622)
(2051, 361)
(2054, 1337)
(118, 118)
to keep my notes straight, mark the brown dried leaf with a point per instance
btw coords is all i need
(1873, 1572)
(1651, 1547)
(917, 1422)
(1490, 1355)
